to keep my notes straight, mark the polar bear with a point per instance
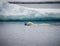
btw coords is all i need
(28, 23)
(32, 24)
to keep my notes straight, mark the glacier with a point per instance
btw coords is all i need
(17, 12)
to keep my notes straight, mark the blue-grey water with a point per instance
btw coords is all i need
(17, 34)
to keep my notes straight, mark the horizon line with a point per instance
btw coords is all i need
(45, 2)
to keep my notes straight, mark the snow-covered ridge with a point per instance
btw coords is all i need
(17, 12)
(14, 9)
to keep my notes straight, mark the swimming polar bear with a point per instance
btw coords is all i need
(32, 24)
(29, 23)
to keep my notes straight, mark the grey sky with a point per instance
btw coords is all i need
(36, 5)
(33, 0)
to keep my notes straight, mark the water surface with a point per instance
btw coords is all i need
(17, 34)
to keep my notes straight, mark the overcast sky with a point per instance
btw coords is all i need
(29, 0)
(36, 5)
(33, 0)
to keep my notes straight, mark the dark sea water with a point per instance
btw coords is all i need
(17, 34)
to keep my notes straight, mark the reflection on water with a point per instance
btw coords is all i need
(17, 34)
